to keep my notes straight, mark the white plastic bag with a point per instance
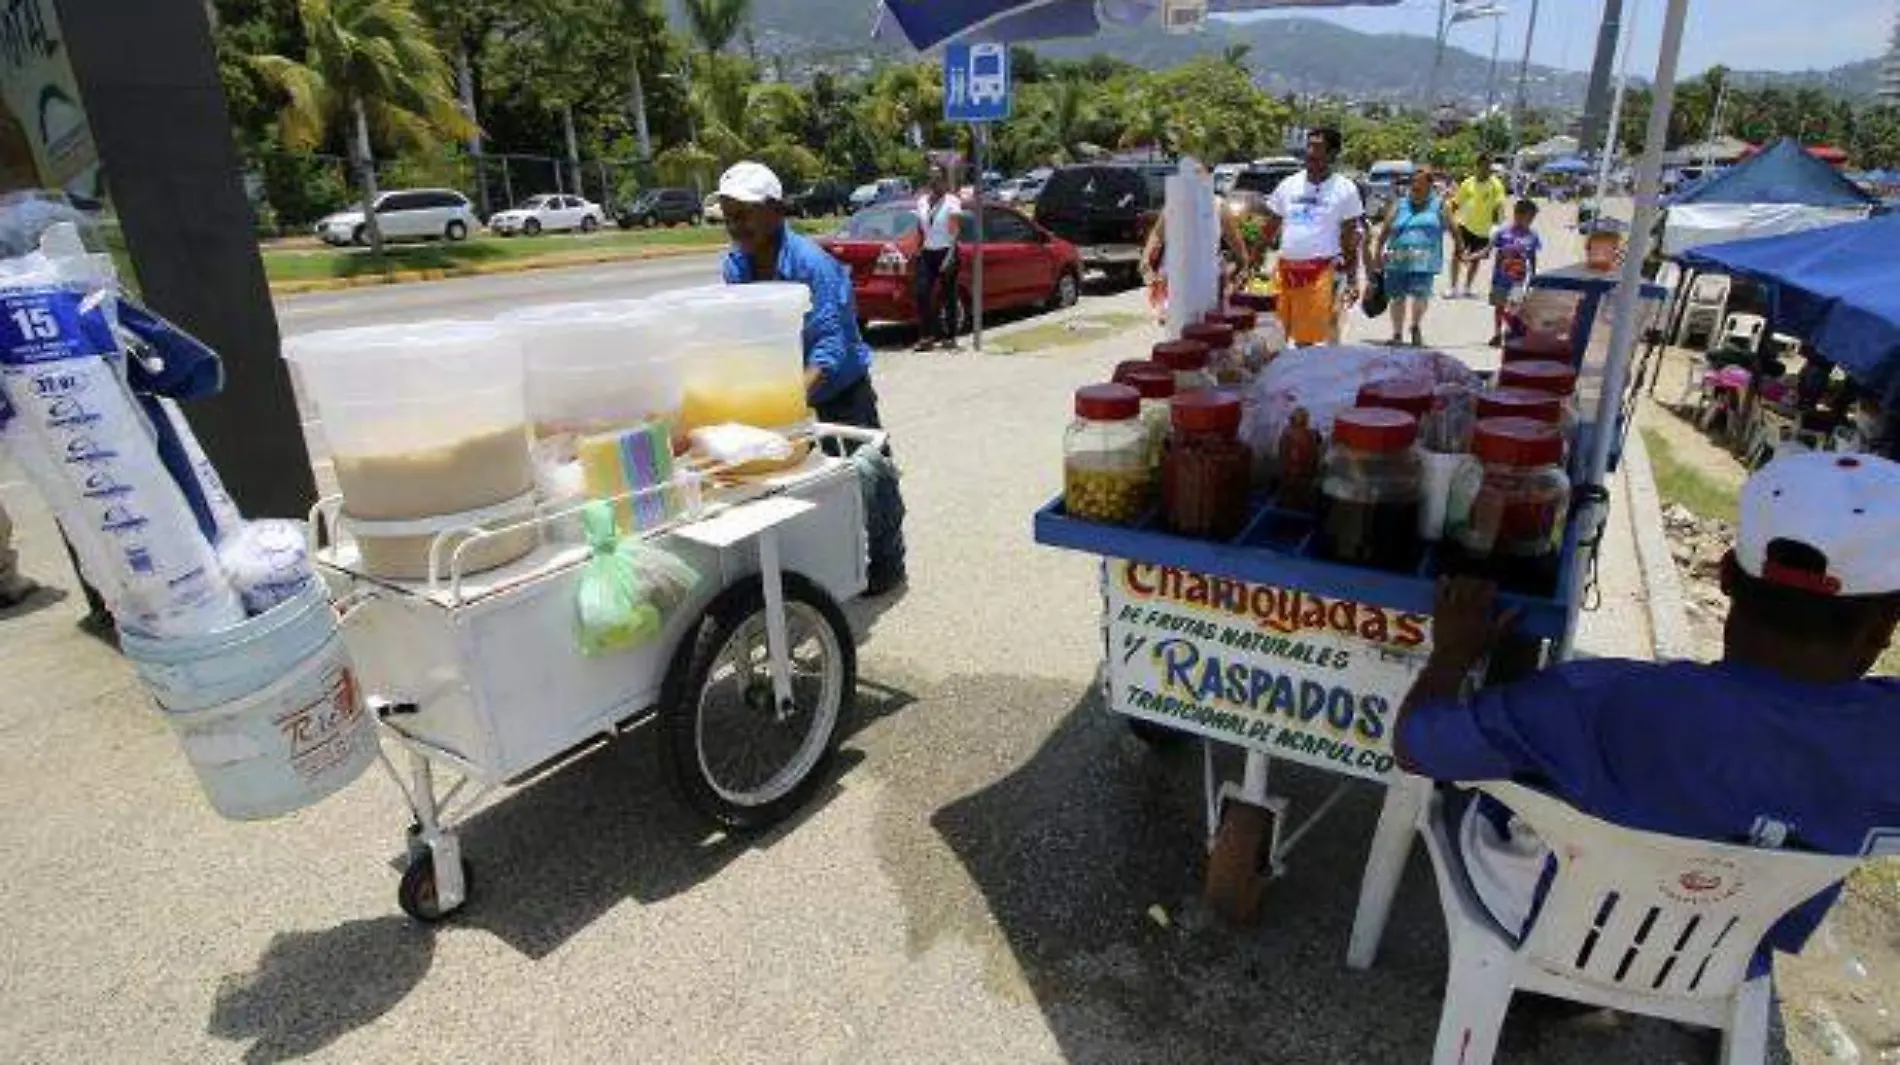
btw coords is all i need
(732, 444)
(268, 562)
(1326, 380)
(75, 430)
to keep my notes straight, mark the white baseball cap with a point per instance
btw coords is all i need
(750, 182)
(1846, 508)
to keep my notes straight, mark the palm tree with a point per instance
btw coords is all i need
(370, 66)
(1236, 55)
(716, 22)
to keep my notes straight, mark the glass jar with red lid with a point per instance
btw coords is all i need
(1248, 348)
(1508, 509)
(1411, 397)
(1106, 473)
(1188, 359)
(1548, 376)
(1155, 382)
(1369, 490)
(1520, 403)
(1207, 471)
(1223, 360)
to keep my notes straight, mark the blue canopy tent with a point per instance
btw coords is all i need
(1834, 287)
(1567, 165)
(928, 23)
(1781, 190)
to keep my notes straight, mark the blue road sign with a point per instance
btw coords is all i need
(976, 84)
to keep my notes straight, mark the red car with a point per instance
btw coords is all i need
(1024, 265)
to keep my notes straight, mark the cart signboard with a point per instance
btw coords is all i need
(1294, 675)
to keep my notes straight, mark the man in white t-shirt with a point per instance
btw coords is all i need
(939, 221)
(1316, 216)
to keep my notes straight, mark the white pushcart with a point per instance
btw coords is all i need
(481, 675)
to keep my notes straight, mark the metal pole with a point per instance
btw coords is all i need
(1616, 105)
(1594, 96)
(1491, 79)
(979, 135)
(1431, 86)
(1523, 75)
(1629, 290)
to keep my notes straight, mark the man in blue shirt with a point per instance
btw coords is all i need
(837, 360)
(1785, 742)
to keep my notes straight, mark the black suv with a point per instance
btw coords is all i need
(821, 198)
(661, 207)
(1105, 210)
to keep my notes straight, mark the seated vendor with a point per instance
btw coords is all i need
(837, 360)
(1785, 742)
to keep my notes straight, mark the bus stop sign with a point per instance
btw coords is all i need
(976, 84)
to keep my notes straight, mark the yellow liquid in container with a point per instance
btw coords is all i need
(764, 404)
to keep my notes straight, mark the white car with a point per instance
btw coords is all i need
(711, 211)
(412, 214)
(548, 213)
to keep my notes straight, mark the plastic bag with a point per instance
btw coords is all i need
(732, 444)
(613, 614)
(268, 562)
(665, 579)
(1375, 301)
(1326, 380)
(81, 437)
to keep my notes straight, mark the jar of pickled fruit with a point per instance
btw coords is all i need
(1223, 359)
(1207, 472)
(1106, 474)
(1412, 398)
(1156, 384)
(1370, 484)
(1189, 361)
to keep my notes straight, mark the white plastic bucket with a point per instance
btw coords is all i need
(267, 711)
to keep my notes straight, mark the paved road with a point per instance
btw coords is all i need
(476, 297)
(974, 887)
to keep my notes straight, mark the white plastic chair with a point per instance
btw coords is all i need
(1708, 302)
(1744, 329)
(1633, 921)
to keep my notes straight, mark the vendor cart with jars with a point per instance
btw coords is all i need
(1270, 554)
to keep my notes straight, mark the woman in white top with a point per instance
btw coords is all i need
(939, 220)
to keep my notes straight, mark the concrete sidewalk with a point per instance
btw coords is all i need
(975, 887)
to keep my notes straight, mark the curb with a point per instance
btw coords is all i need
(1668, 618)
(522, 266)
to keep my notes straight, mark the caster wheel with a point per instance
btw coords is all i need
(1235, 880)
(416, 893)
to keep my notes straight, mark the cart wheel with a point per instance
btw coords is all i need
(416, 893)
(1235, 882)
(734, 756)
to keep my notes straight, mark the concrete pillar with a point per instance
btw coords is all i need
(149, 77)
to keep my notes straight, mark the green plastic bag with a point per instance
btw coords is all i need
(614, 611)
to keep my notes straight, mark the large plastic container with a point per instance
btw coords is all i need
(599, 367)
(267, 711)
(742, 355)
(427, 423)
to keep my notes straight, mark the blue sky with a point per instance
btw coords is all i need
(1747, 34)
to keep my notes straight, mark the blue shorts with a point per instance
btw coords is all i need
(1409, 284)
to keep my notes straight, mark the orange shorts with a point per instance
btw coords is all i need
(1308, 303)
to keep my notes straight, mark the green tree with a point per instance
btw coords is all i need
(716, 22)
(369, 67)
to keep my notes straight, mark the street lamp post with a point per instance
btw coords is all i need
(1448, 16)
(1523, 74)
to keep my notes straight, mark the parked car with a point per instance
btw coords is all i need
(1385, 181)
(820, 198)
(409, 214)
(711, 211)
(878, 191)
(662, 207)
(1106, 210)
(1023, 264)
(548, 213)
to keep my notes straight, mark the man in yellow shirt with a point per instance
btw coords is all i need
(1479, 206)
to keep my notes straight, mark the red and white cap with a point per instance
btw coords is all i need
(1844, 510)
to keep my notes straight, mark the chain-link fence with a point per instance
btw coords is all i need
(291, 190)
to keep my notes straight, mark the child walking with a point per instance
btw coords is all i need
(1515, 247)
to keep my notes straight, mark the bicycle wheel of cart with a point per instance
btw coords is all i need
(735, 756)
